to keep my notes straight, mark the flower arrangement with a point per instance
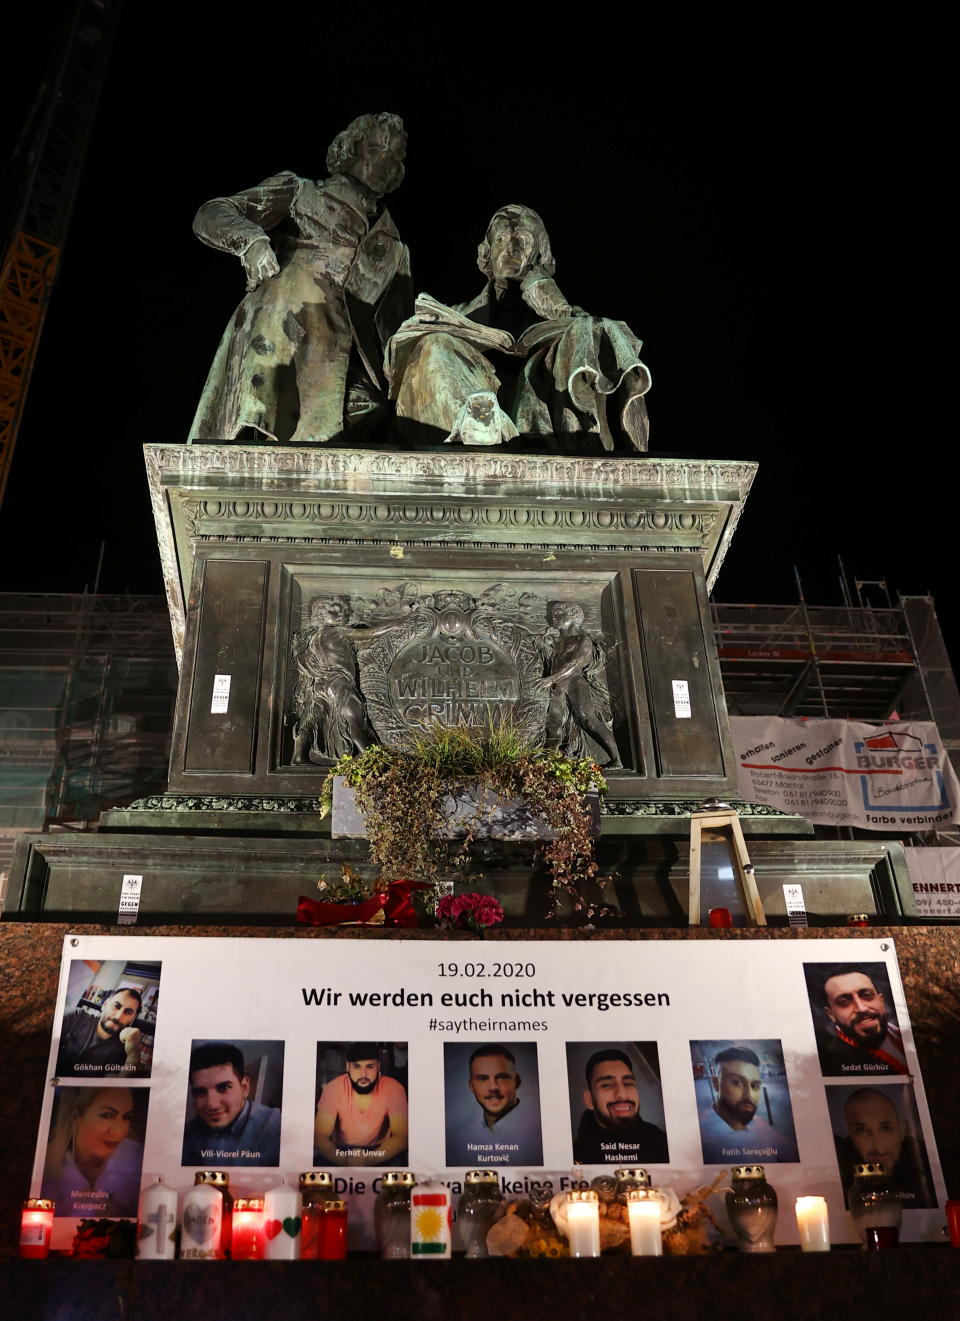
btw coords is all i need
(469, 912)
(685, 1222)
(104, 1238)
(402, 793)
(351, 888)
(353, 901)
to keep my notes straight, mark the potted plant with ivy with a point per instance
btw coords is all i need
(405, 793)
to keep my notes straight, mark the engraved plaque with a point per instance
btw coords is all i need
(407, 661)
(453, 677)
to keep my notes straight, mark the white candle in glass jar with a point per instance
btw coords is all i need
(813, 1224)
(282, 1207)
(644, 1214)
(583, 1224)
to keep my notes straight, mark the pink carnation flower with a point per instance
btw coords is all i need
(469, 911)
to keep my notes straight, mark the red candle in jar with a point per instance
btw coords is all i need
(332, 1238)
(311, 1219)
(720, 917)
(315, 1187)
(36, 1226)
(247, 1239)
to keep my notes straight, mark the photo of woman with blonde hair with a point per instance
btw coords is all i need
(95, 1151)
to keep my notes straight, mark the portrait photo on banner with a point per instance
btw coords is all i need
(492, 1103)
(616, 1103)
(743, 1102)
(233, 1103)
(109, 1019)
(854, 1020)
(94, 1154)
(878, 1121)
(361, 1115)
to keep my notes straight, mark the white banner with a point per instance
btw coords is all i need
(269, 1057)
(935, 877)
(843, 773)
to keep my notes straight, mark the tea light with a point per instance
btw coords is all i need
(643, 1210)
(157, 1223)
(583, 1222)
(430, 1214)
(36, 1226)
(281, 1223)
(248, 1229)
(813, 1224)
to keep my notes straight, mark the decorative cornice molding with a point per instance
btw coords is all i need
(228, 803)
(596, 504)
(226, 517)
(678, 807)
(171, 462)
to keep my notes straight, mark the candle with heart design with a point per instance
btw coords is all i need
(220, 1179)
(157, 1223)
(202, 1223)
(282, 1209)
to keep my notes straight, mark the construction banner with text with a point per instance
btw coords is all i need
(844, 773)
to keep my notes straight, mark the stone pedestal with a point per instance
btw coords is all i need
(252, 537)
(475, 547)
(258, 876)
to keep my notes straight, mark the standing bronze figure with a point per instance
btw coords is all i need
(327, 284)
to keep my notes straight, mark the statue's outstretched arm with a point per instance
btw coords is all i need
(366, 632)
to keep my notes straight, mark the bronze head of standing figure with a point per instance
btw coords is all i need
(371, 150)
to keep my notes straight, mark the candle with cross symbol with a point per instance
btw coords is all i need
(157, 1223)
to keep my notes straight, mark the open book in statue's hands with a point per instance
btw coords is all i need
(431, 314)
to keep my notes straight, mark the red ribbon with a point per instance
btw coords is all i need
(398, 910)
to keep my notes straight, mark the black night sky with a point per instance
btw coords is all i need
(763, 213)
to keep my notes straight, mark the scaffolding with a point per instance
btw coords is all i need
(87, 688)
(800, 660)
(88, 685)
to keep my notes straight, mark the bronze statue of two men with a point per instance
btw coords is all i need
(328, 340)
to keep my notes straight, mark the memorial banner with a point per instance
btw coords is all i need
(265, 1058)
(844, 773)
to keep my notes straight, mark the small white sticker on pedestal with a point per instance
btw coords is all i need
(221, 695)
(796, 909)
(681, 699)
(129, 905)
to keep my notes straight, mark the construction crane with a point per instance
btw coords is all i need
(39, 187)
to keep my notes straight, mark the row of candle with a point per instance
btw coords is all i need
(643, 1212)
(286, 1225)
